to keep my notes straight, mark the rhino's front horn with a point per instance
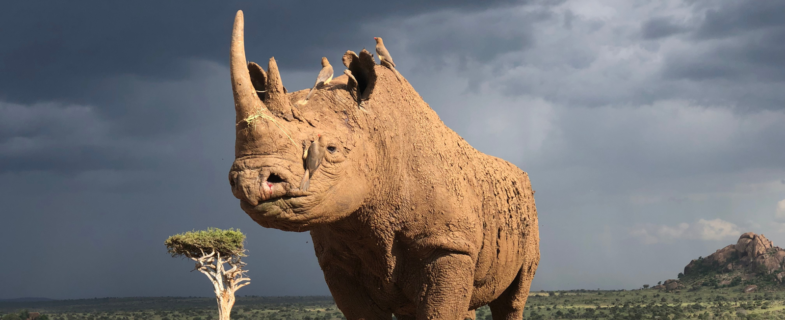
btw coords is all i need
(246, 100)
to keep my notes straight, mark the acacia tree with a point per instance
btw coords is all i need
(212, 249)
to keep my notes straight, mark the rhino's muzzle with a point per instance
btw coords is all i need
(258, 185)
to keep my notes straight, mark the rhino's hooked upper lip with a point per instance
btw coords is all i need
(255, 180)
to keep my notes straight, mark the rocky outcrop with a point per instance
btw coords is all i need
(752, 254)
(750, 288)
(672, 284)
(669, 285)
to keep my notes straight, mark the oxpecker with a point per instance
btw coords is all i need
(384, 56)
(313, 158)
(324, 76)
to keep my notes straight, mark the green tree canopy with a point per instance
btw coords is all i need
(193, 244)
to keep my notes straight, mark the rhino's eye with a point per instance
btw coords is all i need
(331, 149)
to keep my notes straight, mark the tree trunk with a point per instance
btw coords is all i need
(225, 282)
(225, 304)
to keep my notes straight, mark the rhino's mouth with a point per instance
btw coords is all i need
(254, 183)
(277, 183)
(285, 211)
(273, 185)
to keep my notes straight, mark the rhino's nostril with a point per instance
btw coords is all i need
(274, 178)
(233, 176)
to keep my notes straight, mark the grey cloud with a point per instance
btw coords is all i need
(758, 57)
(132, 127)
(591, 65)
(735, 41)
(430, 41)
(481, 38)
(568, 17)
(657, 28)
(71, 158)
(87, 42)
(724, 19)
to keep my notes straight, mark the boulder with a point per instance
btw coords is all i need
(744, 240)
(672, 284)
(766, 264)
(779, 255)
(690, 267)
(722, 256)
(750, 288)
(759, 246)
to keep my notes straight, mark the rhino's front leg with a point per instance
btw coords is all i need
(351, 298)
(447, 284)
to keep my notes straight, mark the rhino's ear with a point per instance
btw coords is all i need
(362, 68)
(258, 78)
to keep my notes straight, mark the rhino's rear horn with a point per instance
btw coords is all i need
(362, 68)
(277, 101)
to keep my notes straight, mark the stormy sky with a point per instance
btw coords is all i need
(653, 131)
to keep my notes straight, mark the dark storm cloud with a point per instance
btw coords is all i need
(71, 158)
(661, 27)
(759, 56)
(481, 37)
(723, 19)
(55, 50)
(600, 62)
(737, 40)
(131, 126)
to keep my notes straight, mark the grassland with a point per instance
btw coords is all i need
(704, 303)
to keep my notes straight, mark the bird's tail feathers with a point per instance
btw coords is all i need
(310, 93)
(306, 182)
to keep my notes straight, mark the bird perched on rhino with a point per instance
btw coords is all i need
(384, 56)
(324, 76)
(313, 158)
